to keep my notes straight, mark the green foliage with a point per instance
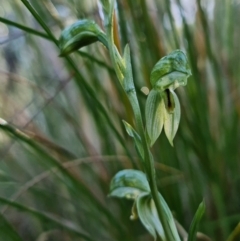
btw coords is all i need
(195, 222)
(137, 139)
(72, 108)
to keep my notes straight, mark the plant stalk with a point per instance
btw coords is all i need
(24, 28)
(132, 96)
(149, 163)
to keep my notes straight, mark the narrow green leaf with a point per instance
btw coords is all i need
(106, 6)
(168, 214)
(235, 235)
(148, 215)
(195, 222)
(137, 139)
(24, 28)
(154, 112)
(129, 184)
(80, 80)
(171, 120)
(80, 34)
(7, 232)
(128, 84)
(43, 216)
(116, 58)
(69, 180)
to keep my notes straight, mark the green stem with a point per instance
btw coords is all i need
(24, 28)
(149, 163)
(124, 74)
(40, 21)
(43, 35)
(97, 61)
(119, 68)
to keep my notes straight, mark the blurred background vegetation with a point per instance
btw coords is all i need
(55, 172)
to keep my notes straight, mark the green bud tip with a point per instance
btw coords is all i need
(78, 35)
(170, 68)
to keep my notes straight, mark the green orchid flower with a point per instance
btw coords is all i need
(133, 185)
(82, 33)
(163, 107)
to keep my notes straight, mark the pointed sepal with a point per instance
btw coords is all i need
(147, 213)
(195, 222)
(172, 119)
(154, 113)
(137, 139)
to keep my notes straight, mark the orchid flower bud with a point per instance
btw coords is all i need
(170, 71)
(80, 34)
(163, 107)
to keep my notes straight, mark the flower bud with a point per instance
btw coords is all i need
(80, 34)
(170, 71)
